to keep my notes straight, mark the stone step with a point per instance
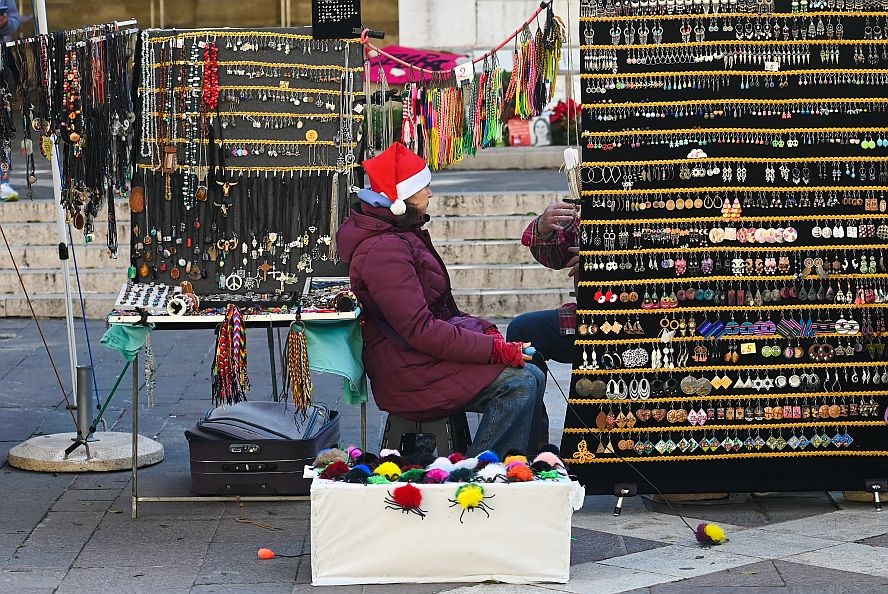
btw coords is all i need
(443, 204)
(51, 280)
(507, 276)
(52, 305)
(493, 251)
(19, 234)
(491, 303)
(478, 227)
(47, 256)
(489, 204)
(44, 211)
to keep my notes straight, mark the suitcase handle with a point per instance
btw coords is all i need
(244, 448)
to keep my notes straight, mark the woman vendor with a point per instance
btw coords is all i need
(425, 358)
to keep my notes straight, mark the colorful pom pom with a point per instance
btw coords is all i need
(456, 457)
(551, 448)
(358, 474)
(414, 475)
(355, 453)
(515, 458)
(328, 456)
(520, 473)
(266, 553)
(470, 495)
(710, 534)
(376, 479)
(461, 475)
(364, 468)
(407, 496)
(388, 452)
(335, 471)
(488, 456)
(443, 464)
(493, 473)
(471, 463)
(389, 470)
(435, 476)
(549, 458)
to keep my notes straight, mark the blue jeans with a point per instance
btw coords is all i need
(541, 328)
(509, 406)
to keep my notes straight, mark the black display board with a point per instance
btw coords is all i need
(335, 18)
(244, 166)
(731, 309)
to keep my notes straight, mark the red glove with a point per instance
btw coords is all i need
(493, 331)
(507, 353)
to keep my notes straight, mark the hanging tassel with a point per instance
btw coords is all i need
(150, 373)
(231, 382)
(299, 373)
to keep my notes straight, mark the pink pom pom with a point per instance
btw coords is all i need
(550, 459)
(355, 453)
(436, 476)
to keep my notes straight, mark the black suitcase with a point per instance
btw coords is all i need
(258, 448)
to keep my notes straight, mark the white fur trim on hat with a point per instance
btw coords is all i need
(413, 184)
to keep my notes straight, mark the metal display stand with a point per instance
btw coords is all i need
(268, 321)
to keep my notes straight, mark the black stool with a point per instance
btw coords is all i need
(415, 439)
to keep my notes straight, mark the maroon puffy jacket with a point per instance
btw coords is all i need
(433, 359)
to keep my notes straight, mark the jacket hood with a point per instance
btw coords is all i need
(363, 222)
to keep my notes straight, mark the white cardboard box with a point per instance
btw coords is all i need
(526, 539)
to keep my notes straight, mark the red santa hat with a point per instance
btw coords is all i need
(397, 173)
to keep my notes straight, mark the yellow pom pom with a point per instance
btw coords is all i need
(388, 469)
(517, 458)
(716, 533)
(470, 495)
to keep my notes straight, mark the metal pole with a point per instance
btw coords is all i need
(162, 14)
(61, 224)
(84, 410)
(153, 24)
(271, 357)
(283, 13)
(134, 483)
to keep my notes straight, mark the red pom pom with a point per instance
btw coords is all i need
(408, 496)
(266, 554)
(520, 473)
(456, 457)
(335, 471)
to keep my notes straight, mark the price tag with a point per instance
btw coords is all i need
(772, 66)
(465, 73)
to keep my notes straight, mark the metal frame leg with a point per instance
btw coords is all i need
(271, 358)
(364, 426)
(135, 428)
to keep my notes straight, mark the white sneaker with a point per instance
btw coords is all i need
(7, 194)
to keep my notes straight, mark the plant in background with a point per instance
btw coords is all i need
(566, 115)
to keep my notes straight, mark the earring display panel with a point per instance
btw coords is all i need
(734, 246)
(247, 142)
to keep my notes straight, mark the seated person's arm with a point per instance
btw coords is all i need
(399, 296)
(551, 234)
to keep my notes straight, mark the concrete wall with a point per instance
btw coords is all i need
(463, 25)
(66, 14)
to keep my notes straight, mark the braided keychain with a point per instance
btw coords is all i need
(299, 374)
(231, 382)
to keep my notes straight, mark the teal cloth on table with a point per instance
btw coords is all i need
(337, 347)
(126, 339)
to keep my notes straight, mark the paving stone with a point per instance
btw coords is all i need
(286, 535)
(755, 577)
(33, 494)
(45, 580)
(412, 588)
(875, 541)
(62, 531)
(8, 545)
(146, 579)
(645, 525)
(17, 424)
(772, 545)
(230, 563)
(122, 542)
(680, 561)
(271, 588)
(845, 525)
(590, 545)
(112, 481)
(269, 511)
(852, 557)
(307, 588)
(807, 578)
